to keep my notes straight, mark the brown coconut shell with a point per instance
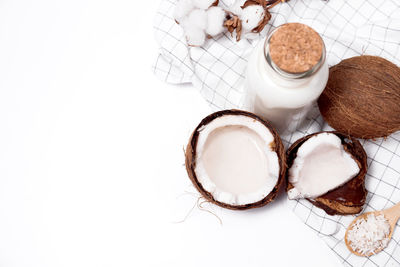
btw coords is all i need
(362, 97)
(190, 160)
(348, 198)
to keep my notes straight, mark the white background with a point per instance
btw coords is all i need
(91, 151)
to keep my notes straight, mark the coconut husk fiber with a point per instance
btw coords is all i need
(190, 160)
(348, 198)
(362, 97)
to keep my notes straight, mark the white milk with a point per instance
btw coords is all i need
(282, 98)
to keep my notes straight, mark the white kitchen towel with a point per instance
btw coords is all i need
(349, 28)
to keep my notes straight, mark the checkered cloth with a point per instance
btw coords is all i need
(349, 28)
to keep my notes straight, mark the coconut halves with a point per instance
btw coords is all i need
(236, 160)
(328, 169)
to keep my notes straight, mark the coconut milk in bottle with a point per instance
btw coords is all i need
(285, 75)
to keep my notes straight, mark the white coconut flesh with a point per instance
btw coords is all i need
(320, 166)
(235, 161)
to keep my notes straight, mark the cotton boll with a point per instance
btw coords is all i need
(236, 8)
(182, 8)
(203, 4)
(198, 17)
(196, 38)
(251, 17)
(215, 18)
(194, 35)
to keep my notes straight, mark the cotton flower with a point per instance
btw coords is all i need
(203, 4)
(182, 9)
(251, 17)
(215, 18)
(198, 17)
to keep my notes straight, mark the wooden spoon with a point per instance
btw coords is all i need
(392, 215)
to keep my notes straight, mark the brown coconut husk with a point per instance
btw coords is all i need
(348, 198)
(362, 97)
(190, 160)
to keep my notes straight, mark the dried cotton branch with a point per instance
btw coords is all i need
(204, 18)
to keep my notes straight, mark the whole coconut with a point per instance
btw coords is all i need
(362, 97)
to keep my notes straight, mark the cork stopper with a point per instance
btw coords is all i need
(295, 48)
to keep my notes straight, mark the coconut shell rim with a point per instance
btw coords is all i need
(190, 160)
(355, 149)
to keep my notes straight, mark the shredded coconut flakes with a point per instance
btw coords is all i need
(370, 234)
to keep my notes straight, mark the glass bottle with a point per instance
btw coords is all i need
(275, 92)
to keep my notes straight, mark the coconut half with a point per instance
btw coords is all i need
(321, 165)
(236, 160)
(328, 169)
